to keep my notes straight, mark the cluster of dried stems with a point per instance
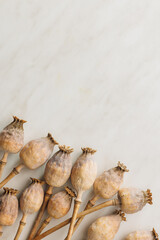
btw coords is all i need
(58, 170)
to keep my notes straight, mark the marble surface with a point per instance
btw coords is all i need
(88, 72)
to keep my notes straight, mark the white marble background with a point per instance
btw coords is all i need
(88, 72)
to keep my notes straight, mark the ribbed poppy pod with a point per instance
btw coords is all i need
(57, 172)
(142, 235)
(106, 186)
(133, 200)
(58, 206)
(30, 202)
(33, 155)
(83, 176)
(105, 228)
(11, 140)
(109, 182)
(58, 168)
(8, 208)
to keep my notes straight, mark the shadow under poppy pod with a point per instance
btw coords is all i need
(58, 206)
(30, 202)
(143, 234)
(105, 228)
(33, 155)
(57, 172)
(83, 176)
(11, 140)
(122, 202)
(8, 208)
(106, 186)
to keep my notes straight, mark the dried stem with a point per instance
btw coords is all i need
(44, 224)
(114, 202)
(89, 205)
(74, 217)
(14, 172)
(40, 215)
(3, 162)
(21, 226)
(1, 231)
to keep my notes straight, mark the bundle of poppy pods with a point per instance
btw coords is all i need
(57, 172)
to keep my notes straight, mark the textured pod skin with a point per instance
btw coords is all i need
(109, 182)
(36, 152)
(8, 207)
(133, 200)
(84, 172)
(59, 204)
(58, 168)
(104, 228)
(32, 198)
(142, 235)
(12, 136)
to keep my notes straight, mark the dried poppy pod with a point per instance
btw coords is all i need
(58, 206)
(83, 176)
(105, 228)
(34, 154)
(30, 202)
(8, 208)
(133, 200)
(122, 202)
(106, 186)
(57, 172)
(143, 235)
(11, 140)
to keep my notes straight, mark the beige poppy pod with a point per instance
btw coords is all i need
(105, 228)
(58, 168)
(58, 206)
(8, 208)
(133, 200)
(32, 197)
(57, 172)
(60, 203)
(109, 182)
(11, 140)
(142, 235)
(30, 202)
(34, 154)
(84, 172)
(83, 176)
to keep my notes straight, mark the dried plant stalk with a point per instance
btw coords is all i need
(121, 201)
(79, 215)
(21, 226)
(11, 140)
(34, 154)
(56, 174)
(14, 172)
